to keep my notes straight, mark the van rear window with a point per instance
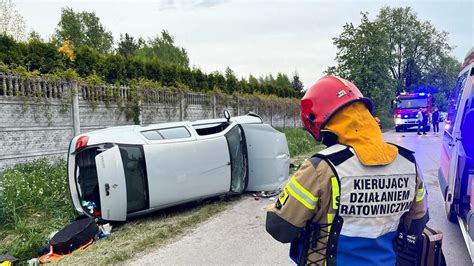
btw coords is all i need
(135, 177)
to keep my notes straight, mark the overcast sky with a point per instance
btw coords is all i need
(257, 37)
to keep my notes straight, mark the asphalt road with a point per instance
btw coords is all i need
(237, 236)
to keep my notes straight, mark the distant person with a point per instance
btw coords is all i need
(435, 120)
(422, 121)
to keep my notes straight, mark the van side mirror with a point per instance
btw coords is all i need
(467, 133)
(392, 102)
(227, 115)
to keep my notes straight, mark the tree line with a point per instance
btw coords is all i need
(83, 44)
(396, 52)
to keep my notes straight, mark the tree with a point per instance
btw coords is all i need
(296, 84)
(363, 58)
(442, 78)
(128, 45)
(282, 80)
(416, 47)
(392, 53)
(163, 48)
(83, 28)
(11, 22)
(231, 80)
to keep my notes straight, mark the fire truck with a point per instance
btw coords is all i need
(406, 106)
(456, 172)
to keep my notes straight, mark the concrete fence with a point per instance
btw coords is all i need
(39, 117)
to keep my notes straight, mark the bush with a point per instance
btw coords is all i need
(45, 58)
(34, 203)
(299, 141)
(387, 122)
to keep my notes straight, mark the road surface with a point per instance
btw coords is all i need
(237, 235)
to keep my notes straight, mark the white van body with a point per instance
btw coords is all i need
(456, 173)
(131, 170)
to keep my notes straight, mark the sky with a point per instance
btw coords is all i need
(257, 37)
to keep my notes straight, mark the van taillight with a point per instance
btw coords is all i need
(81, 143)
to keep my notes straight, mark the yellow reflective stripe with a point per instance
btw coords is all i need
(300, 197)
(335, 192)
(330, 220)
(303, 190)
(420, 194)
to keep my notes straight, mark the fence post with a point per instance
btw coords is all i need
(76, 121)
(140, 112)
(271, 115)
(181, 106)
(238, 106)
(214, 106)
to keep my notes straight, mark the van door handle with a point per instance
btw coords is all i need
(107, 189)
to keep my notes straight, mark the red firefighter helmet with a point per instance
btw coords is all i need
(327, 96)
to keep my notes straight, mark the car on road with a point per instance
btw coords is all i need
(125, 171)
(456, 173)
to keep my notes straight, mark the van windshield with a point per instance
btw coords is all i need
(412, 103)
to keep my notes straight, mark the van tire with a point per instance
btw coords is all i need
(397, 129)
(452, 216)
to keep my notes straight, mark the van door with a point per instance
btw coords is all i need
(181, 171)
(268, 157)
(112, 186)
(451, 142)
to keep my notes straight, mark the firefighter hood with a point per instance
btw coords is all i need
(356, 127)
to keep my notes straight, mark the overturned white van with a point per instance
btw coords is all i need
(125, 171)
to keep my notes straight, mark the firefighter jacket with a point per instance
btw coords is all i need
(337, 211)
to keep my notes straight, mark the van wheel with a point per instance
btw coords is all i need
(452, 216)
(398, 129)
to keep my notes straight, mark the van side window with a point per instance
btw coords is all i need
(455, 102)
(167, 133)
(174, 133)
(208, 129)
(152, 135)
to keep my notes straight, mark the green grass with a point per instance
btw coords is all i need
(299, 141)
(387, 123)
(35, 202)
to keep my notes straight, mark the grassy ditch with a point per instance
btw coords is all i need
(299, 141)
(154, 231)
(35, 202)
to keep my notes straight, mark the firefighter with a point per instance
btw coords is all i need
(345, 204)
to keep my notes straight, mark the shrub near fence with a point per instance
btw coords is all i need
(40, 116)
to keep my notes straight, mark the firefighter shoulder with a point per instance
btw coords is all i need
(346, 203)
